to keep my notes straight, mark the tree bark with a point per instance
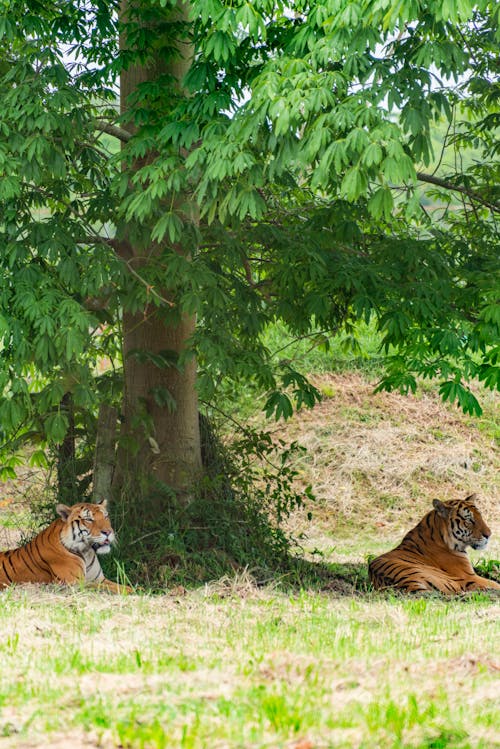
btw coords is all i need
(67, 482)
(160, 440)
(105, 452)
(168, 444)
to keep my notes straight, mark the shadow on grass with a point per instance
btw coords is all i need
(347, 579)
(172, 559)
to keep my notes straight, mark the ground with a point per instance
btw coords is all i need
(243, 662)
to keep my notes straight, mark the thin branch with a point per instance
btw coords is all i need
(445, 144)
(304, 337)
(241, 428)
(122, 247)
(92, 239)
(114, 130)
(123, 250)
(432, 180)
(150, 289)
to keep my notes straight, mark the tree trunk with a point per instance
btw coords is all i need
(160, 433)
(163, 435)
(105, 452)
(67, 480)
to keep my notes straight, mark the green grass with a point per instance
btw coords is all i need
(309, 356)
(234, 665)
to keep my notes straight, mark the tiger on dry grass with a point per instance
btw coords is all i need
(432, 555)
(66, 551)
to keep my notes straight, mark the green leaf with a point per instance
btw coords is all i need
(279, 405)
(455, 391)
(381, 203)
(170, 223)
(398, 169)
(164, 398)
(56, 426)
(354, 184)
(372, 156)
(38, 459)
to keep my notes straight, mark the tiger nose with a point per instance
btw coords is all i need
(486, 532)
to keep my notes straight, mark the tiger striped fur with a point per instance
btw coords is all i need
(432, 555)
(66, 551)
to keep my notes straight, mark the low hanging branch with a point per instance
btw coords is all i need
(124, 252)
(114, 130)
(432, 180)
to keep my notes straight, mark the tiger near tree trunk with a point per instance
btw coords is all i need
(432, 555)
(66, 551)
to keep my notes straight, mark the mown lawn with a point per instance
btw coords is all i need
(236, 665)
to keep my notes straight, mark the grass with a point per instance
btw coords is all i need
(236, 665)
(307, 353)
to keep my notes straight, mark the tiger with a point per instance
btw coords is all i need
(432, 555)
(66, 551)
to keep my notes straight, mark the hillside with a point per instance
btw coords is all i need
(376, 461)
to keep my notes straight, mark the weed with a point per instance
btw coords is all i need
(488, 568)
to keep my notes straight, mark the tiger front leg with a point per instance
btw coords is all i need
(95, 578)
(482, 583)
(69, 572)
(110, 587)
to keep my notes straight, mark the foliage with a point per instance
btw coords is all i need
(299, 137)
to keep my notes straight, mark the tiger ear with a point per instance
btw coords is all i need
(102, 503)
(472, 498)
(440, 508)
(63, 511)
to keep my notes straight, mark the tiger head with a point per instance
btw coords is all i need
(86, 526)
(464, 525)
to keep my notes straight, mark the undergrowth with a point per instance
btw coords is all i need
(236, 521)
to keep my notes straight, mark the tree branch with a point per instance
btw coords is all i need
(150, 289)
(125, 254)
(122, 248)
(432, 180)
(114, 130)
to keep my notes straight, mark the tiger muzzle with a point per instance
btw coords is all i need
(103, 545)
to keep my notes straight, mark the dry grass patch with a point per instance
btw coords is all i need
(375, 461)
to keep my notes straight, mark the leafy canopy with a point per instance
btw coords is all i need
(303, 134)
